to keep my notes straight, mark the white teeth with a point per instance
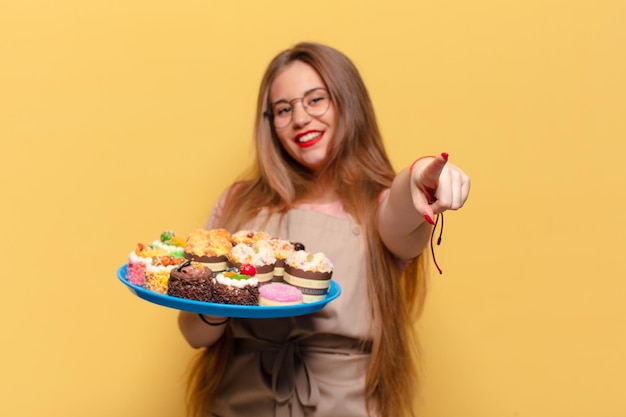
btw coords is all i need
(309, 137)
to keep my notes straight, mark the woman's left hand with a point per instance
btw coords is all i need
(437, 186)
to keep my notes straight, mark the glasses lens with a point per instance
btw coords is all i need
(281, 113)
(316, 102)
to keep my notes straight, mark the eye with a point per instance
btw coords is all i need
(316, 98)
(282, 110)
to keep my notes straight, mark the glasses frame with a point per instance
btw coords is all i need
(270, 114)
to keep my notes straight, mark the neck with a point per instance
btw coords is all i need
(322, 193)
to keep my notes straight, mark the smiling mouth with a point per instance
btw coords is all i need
(308, 138)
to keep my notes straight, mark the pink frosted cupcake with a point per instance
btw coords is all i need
(138, 261)
(279, 294)
(310, 273)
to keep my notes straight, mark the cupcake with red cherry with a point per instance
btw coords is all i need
(259, 255)
(236, 286)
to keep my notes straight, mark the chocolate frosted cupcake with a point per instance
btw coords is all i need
(209, 247)
(259, 255)
(191, 280)
(310, 273)
(233, 287)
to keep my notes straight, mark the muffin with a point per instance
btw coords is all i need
(282, 250)
(310, 273)
(209, 247)
(249, 237)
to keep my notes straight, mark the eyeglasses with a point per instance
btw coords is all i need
(315, 102)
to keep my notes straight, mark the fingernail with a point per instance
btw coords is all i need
(444, 156)
(429, 219)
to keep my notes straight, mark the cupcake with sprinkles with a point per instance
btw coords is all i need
(171, 244)
(158, 273)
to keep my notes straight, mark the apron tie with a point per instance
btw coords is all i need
(291, 381)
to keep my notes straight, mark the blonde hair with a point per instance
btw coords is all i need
(358, 167)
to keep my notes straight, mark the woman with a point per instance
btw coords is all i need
(322, 177)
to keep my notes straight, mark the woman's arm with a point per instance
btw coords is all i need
(430, 186)
(197, 332)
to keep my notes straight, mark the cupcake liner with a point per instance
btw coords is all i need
(314, 285)
(214, 263)
(279, 270)
(136, 272)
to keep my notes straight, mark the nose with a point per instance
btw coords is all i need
(300, 115)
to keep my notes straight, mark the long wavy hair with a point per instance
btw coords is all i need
(358, 167)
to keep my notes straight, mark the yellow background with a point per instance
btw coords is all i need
(120, 119)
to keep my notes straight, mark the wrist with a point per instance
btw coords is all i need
(211, 322)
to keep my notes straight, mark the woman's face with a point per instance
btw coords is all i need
(306, 138)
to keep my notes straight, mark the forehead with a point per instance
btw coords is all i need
(294, 80)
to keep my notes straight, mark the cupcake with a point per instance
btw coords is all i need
(249, 237)
(172, 245)
(310, 273)
(138, 260)
(259, 255)
(234, 287)
(282, 250)
(209, 247)
(158, 273)
(191, 280)
(279, 294)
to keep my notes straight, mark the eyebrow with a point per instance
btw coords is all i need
(284, 100)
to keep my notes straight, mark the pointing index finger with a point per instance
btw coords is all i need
(432, 171)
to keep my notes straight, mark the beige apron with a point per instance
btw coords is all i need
(312, 365)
